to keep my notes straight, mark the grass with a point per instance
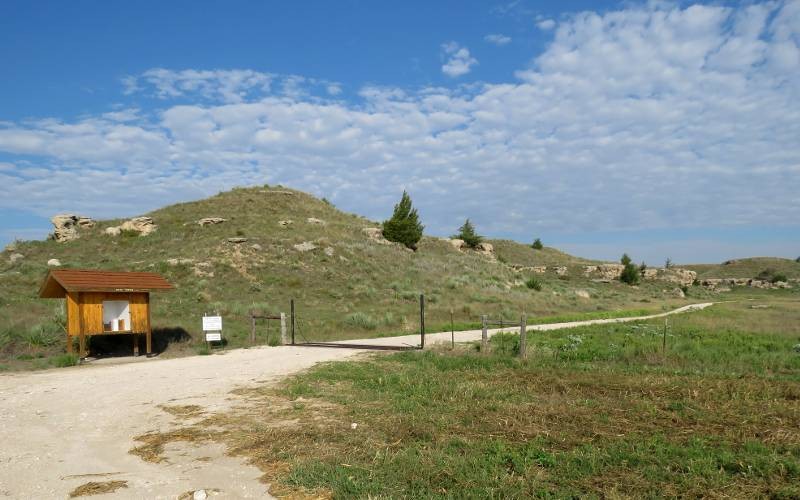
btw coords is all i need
(599, 411)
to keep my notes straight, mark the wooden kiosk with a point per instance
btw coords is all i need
(104, 303)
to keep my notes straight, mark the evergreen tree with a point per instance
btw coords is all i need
(404, 226)
(630, 273)
(537, 244)
(468, 234)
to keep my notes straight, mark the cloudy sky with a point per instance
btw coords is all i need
(662, 129)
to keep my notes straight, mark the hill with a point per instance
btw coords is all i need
(748, 268)
(277, 244)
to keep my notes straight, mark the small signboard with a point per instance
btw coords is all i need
(212, 323)
(213, 336)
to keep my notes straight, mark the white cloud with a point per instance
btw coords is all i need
(498, 39)
(546, 24)
(459, 62)
(649, 117)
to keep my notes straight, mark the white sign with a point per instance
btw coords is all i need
(212, 323)
(213, 336)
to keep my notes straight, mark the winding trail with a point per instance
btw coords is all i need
(62, 428)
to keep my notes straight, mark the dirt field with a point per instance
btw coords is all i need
(61, 429)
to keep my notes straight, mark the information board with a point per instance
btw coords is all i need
(212, 323)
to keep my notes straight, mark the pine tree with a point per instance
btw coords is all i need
(537, 244)
(630, 273)
(404, 226)
(468, 234)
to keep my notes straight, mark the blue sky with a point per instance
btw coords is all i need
(661, 129)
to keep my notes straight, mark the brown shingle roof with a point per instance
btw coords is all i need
(61, 281)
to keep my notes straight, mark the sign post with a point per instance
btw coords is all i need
(212, 328)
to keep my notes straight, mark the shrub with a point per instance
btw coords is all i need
(467, 233)
(361, 320)
(630, 274)
(404, 226)
(667, 263)
(797, 259)
(771, 275)
(239, 232)
(129, 233)
(534, 284)
(537, 244)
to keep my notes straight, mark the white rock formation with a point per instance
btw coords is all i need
(306, 246)
(376, 234)
(66, 226)
(53, 263)
(210, 221)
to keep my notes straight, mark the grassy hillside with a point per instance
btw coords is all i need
(349, 286)
(748, 268)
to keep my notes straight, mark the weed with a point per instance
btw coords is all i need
(361, 320)
(64, 360)
(533, 284)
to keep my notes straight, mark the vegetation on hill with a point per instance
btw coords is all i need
(297, 247)
(747, 268)
(537, 244)
(404, 226)
(467, 233)
(630, 273)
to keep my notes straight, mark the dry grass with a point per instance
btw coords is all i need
(97, 488)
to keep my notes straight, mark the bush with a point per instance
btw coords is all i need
(467, 233)
(534, 284)
(537, 244)
(771, 275)
(129, 233)
(404, 226)
(630, 274)
(361, 320)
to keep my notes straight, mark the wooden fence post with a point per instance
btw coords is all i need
(422, 320)
(252, 327)
(284, 340)
(523, 338)
(291, 304)
(452, 331)
(484, 335)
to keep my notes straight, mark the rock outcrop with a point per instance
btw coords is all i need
(141, 225)
(236, 240)
(485, 249)
(306, 246)
(53, 263)
(375, 234)
(458, 244)
(210, 221)
(315, 221)
(719, 284)
(15, 257)
(285, 223)
(66, 226)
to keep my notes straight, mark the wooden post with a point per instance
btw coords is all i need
(664, 338)
(484, 335)
(452, 331)
(523, 338)
(149, 335)
(135, 344)
(252, 327)
(291, 304)
(284, 340)
(82, 333)
(422, 320)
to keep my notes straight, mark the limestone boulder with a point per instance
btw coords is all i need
(285, 223)
(458, 244)
(210, 221)
(610, 271)
(315, 221)
(15, 257)
(560, 270)
(582, 294)
(142, 225)
(112, 231)
(237, 240)
(375, 234)
(66, 226)
(306, 246)
(53, 263)
(485, 249)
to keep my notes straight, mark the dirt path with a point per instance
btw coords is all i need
(60, 429)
